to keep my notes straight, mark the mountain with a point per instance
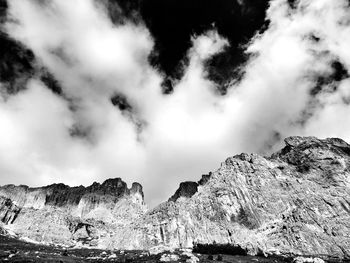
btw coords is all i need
(296, 201)
(66, 215)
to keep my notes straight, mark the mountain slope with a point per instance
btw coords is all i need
(295, 201)
(70, 215)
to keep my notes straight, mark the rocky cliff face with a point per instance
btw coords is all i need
(70, 215)
(295, 201)
(8, 210)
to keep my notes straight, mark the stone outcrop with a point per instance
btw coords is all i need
(8, 210)
(186, 189)
(297, 201)
(189, 188)
(68, 215)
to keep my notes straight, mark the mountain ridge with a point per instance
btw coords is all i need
(295, 201)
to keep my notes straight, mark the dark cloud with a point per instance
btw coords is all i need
(3, 10)
(79, 132)
(328, 82)
(120, 101)
(16, 64)
(173, 23)
(122, 11)
(339, 71)
(324, 83)
(50, 82)
(225, 67)
(293, 3)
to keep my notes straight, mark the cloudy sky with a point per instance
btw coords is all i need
(162, 91)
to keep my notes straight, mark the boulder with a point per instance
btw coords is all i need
(169, 257)
(308, 260)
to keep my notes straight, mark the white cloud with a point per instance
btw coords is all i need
(187, 133)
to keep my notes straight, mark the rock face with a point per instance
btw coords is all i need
(69, 215)
(295, 201)
(186, 189)
(8, 210)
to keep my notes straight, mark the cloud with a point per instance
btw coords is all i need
(112, 119)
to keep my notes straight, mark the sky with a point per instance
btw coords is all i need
(161, 92)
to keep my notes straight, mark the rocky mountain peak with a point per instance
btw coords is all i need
(62, 214)
(205, 178)
(326, 159)
(295, 201)
(303, 143)
(293, 141)
(82, 198)
(186, 189)
(136, 188)
(114, 183)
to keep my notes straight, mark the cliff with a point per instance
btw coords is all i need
(295, 201)
(70, 215)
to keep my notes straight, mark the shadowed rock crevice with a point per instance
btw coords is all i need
(8, 210)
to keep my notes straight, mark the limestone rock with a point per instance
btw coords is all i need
(186, 189)
(65, 215)
(190, 257)
(308, 260)
(2, 231)
(297, 201)
(160, 249)
(205, 178)
(169, 258)
(8, 210)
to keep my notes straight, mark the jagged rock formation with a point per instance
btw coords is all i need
(295, 201)
(189, 188)
(186, 189)
(66, 215)
(8, 210)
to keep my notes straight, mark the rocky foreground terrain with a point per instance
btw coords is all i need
(295, 202)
